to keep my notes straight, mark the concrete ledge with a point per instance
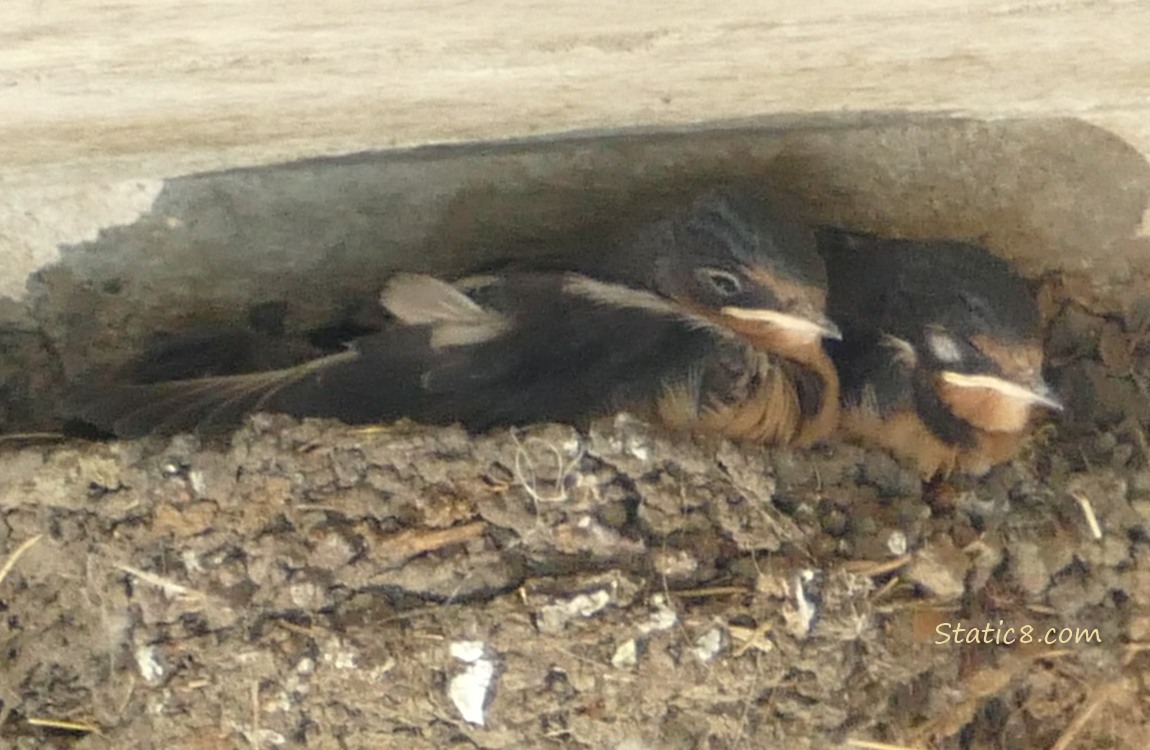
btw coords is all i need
(158, 88)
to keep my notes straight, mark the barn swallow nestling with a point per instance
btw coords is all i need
(744, 235)
(941, 357)
(712, 322)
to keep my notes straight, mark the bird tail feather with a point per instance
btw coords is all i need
(203, 404)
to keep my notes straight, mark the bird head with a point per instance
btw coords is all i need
(967, 319)
(984, 347)
(740, 258)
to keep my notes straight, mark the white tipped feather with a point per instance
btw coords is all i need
(419, 299)
(618, 295)
(455, 318)
(178, 405)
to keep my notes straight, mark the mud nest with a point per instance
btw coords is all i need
(316, 585)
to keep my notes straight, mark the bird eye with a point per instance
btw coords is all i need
(943, 346)
(724, 283)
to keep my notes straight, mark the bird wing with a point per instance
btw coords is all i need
(518, 348)
(376, 379)
(575, 349)
(876, 371)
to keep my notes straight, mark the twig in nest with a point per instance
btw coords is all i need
(745, 714)
(868, 745)
(33, 437)
(171, 588)
(884, 589)
(68, 726)
(871, 569)
(255, 714)
(1088, 511)
(10, 563)
(409, 543)
(752, 638)
(1101, 695)
(708, 591)
(1132, 650)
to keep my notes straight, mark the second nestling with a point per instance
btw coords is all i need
(941, 357)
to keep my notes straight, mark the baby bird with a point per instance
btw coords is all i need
(941, 357)
(708, 319)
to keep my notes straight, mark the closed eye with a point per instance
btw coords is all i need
(723, 283)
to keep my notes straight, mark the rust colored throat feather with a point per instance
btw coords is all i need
(758, 396)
